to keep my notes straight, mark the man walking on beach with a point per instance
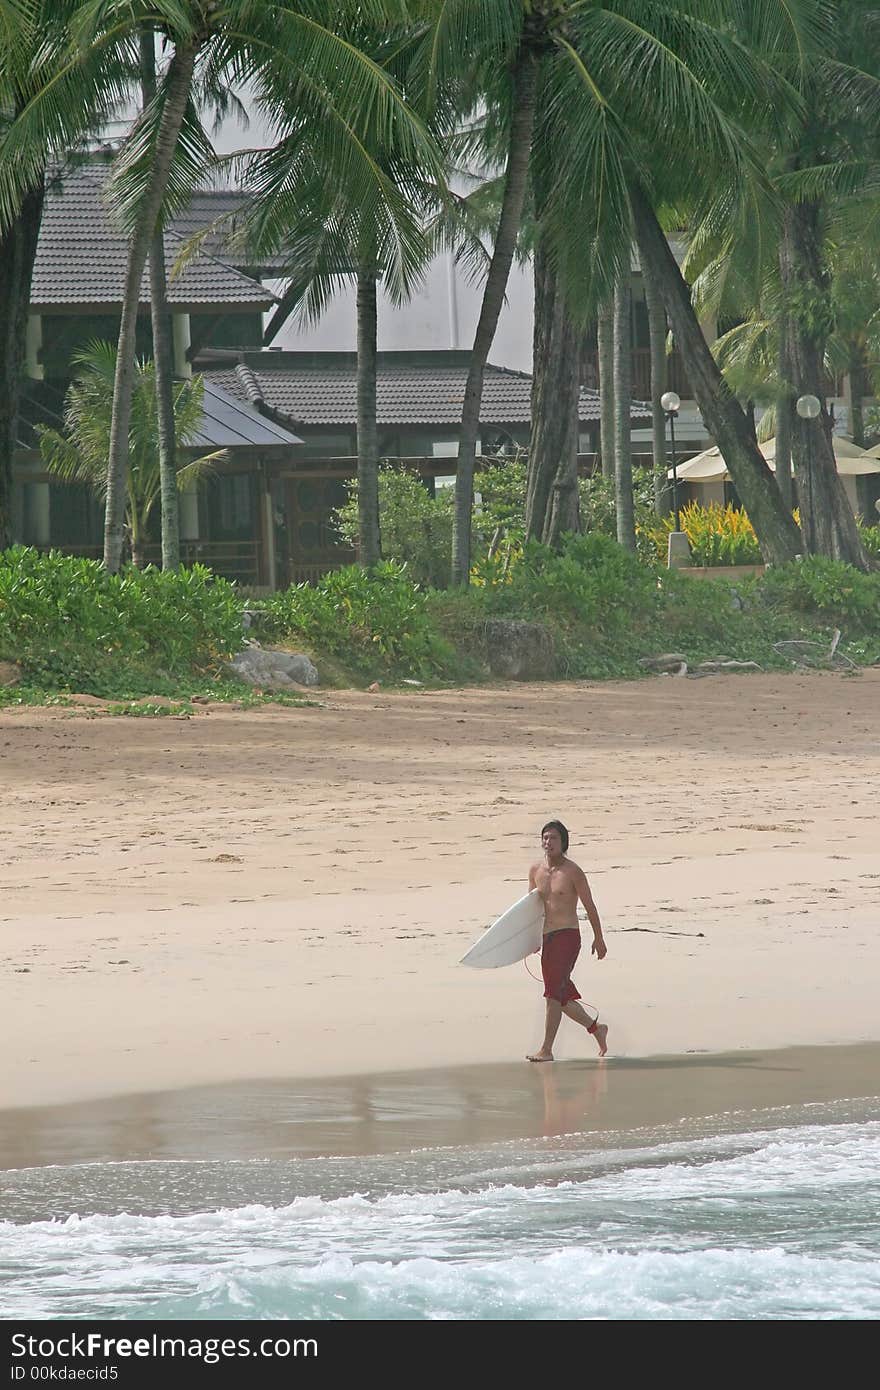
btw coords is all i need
(561, 883)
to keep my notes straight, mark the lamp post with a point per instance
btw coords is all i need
(809, 407)
(670, 402)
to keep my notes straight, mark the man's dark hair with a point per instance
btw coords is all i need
(563, 833)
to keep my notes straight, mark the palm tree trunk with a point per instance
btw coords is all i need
(784, 411)
(163, 362)
(827, 521)
(857, 389)
(367, 432)
(659, 377)
(724, 418)
(551, 484)
(179, 82)
(136, 538)
(162, 352)
(857, 392)
(519, 151)
(18, 250)
(623, 474)
(605, 356)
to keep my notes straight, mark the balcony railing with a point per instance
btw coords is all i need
(238, 560)
(310, 571)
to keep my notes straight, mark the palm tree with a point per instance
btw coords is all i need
(79, 454)
(605, 358)
(506, 40)
(827, 520)
(18, 249)
(724, 418)
(552, 480)
(659, 378)
(619, 82)
(299, 49)
(163, 362)
(36, 135)
(800, 275)
(623, 474)
(327, 228)
(552, 500)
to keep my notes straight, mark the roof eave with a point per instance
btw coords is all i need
(110, 306)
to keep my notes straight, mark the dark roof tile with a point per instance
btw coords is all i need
(408, 393)
(82, 257)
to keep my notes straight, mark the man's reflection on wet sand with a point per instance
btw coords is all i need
(572, 1094)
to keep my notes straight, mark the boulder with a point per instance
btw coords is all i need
(668, 663)
(519, 651)
(270, 668)
(725, 663)
(10, 673)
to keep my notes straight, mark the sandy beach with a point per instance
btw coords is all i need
(285, 893)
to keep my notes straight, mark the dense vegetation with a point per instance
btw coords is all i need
(71, 626)
(380, 109)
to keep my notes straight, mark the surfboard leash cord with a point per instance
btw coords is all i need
(584, 1002)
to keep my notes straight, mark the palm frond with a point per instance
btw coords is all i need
(133, 175)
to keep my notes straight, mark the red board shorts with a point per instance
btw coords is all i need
(558, 955)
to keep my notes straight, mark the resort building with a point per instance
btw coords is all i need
(286, 420)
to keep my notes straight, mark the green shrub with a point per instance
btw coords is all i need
(372, 620)
(416, 528)
(590, 580)
(832, 591)
(718, 536)
(598, 600)
(871, 538)
(598, 513)
(73, 626)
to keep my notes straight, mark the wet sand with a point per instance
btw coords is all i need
(404, 1111)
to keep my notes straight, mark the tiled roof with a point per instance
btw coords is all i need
(81, 257)
(410, 389)
(205, 209)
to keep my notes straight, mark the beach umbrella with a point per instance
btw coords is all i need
(709, 466)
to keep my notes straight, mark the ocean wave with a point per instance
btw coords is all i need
(770, 1223)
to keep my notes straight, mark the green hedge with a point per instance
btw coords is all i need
(374, 621)
(72, 626)
(605, 608)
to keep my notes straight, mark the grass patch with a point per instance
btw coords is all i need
(133, 710)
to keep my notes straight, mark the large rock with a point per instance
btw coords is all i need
(272, 669)
(519, 651)
(667, 663)
(10, 673)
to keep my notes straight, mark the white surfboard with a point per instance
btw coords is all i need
(515, 935)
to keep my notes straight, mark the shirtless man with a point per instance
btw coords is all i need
(561, 882)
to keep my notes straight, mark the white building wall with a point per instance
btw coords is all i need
(441, 314)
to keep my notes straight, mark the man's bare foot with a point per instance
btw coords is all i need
(541, 1056)
(600, 1033)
